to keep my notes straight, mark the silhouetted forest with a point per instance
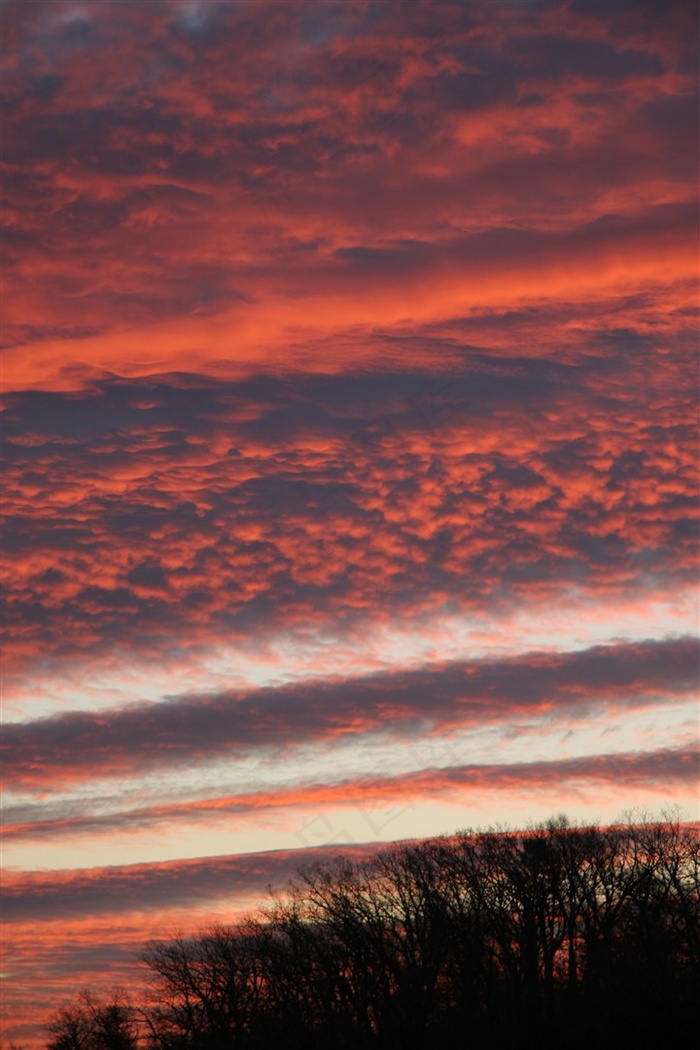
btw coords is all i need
(559, 936)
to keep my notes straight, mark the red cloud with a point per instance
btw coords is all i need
(76, 746)
(331, 319)
(664, 770)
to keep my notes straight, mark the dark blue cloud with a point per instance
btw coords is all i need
(198, 728)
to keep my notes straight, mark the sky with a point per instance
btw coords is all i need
(350, 407)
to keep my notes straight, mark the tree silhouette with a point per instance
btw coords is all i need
(557, 935)
(93, 1024)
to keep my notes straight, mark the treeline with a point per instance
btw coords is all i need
(557, 936)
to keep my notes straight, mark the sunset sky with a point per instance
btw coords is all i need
(350, 372)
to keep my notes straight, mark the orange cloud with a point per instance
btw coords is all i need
(334, 321)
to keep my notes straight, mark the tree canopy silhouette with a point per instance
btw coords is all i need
(558, 935)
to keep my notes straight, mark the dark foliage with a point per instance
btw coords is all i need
(92, 1024)
(558, 936)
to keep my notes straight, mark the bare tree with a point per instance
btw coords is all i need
(557, 935)
(90, 1023)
